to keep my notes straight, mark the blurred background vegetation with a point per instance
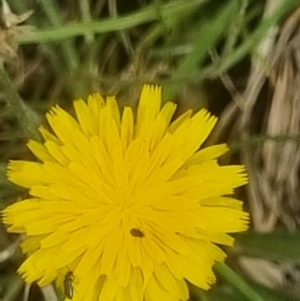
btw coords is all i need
(238, 58)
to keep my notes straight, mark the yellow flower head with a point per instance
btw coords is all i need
(128, 205)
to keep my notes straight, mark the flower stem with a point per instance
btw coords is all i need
(69, 52)
(71, 30)
(230, 276)
(27, 118)
(86, 18)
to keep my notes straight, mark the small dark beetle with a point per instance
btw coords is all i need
(135, 232)
(68, 287)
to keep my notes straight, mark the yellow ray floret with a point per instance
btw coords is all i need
(130, 206)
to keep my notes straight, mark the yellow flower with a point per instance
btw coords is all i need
(128, 205)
